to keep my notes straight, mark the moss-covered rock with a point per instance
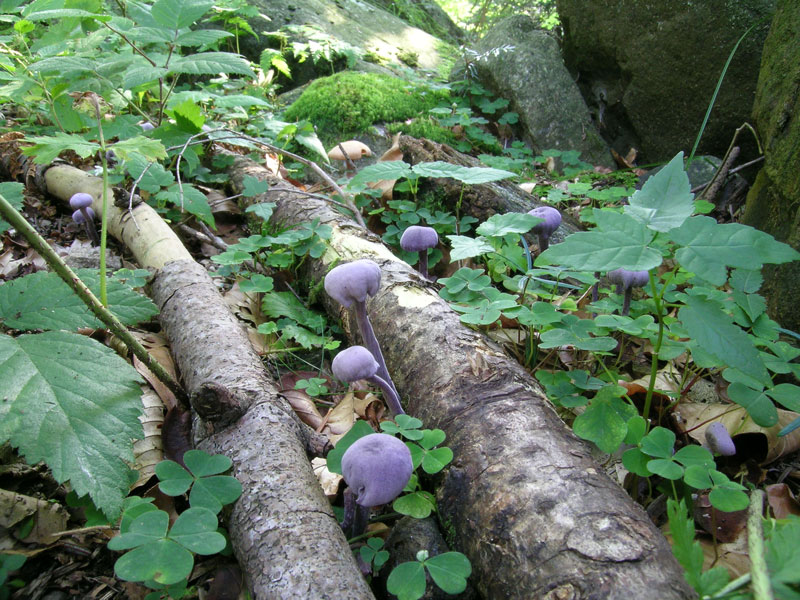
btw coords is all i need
(349, 103)
(773, 204)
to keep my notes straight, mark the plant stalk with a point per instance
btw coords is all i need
(762, 590)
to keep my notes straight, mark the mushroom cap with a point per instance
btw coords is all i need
(354, 363)
(418, 238)
(77, 216)
(719, 440)
(355, 150)
(377, 467)
(80, 200)
(552, 219)
(628, 279)
(147, 126)
(353, 281)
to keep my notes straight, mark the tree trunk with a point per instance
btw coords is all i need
(282, 528)
(522, 498)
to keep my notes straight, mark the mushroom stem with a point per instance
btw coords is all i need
(88, 224)
(371, 342)
(626, 302)
(392, 399)
(544, 242)
(422, 266)
(355, 516)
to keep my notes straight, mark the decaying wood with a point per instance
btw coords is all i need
(480, 201)
(522, 499)
(283, 531)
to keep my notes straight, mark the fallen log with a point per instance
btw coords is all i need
(282, 528)
(523, 498)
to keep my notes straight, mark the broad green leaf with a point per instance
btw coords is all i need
(12, 192)
(241, 100)
(178, 14)
(745, 280)
(44, 301)
(604, 421)
(407, 581)
(149, 526)
(174, 480)
(666, 468)
(468, 175)
(65, 13)
(211, 63)
(727, 499)
(201, 37)
(46, 149)
(578, 333)
(393, 169)
(74, 404)
(137, 75)
(418, 505)
(215, 492)
(449, 571)
(756, 402)
(694, 455)
(787, 395)
(257, 283)
(436, 460)
(709, 248)
(196, 529)
(783, 554)
(151, 149)
(334, 458)
(189, 116)
(636, 461)
(467, 247)
(163, 561)
(618, 242)
(62, 65)
(659, 443)
(188, 198)
(151, 175)
(665, 200)
(713, 330)
(503, 224)
(285, 304)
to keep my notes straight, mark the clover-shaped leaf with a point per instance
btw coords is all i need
(209, 489)
(406, 426)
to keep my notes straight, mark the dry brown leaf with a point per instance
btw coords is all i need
(340, 418)
(156, 346)
(527, 186)
(48, 518)
(386, 186)
(329, 481)
(302, 404)
(148, 452)
(762, 444)
(782, 501)
(725, 526)
(733, 556)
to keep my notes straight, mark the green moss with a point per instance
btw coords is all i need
(424, 128)
(350, 102)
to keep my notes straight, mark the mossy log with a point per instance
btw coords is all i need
(282, 528)
(523, 498)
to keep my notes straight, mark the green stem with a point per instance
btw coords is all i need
(762, 590)
(16, 220)
(104, 212)
(656, 349)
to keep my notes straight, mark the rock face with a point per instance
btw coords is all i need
(341, 26)
(648, 69)
(532, 76)
(773, 203)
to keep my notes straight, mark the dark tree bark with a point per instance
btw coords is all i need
(522, 499)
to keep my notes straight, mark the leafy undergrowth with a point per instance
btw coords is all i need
(685, 385)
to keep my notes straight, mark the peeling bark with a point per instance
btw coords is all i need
(480, 201)
(282, 528)
(522, 499)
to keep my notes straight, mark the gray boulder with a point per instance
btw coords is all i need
(649, 69)
(523, 64)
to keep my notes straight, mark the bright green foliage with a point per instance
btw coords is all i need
(408, 427)
(13, 193)
(351, 102)
(373, 554)
(44, 301)
(604, 420)
(449, 571)
(74, 404)
(783, 556)
(689, 552)
(665, 200)
(8, 563)
(314, 386)
(209, 489)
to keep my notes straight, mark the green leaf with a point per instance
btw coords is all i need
(46, 149)
(12, 192)
(189, 117)
(636, 461)
(436, 460)
(665, 200)
(215, 492)
(727, 499)
(256, 283)
(174, 480)
(689, 552)
(285, 304)
(196, 530)
(201, 37)
(254, 187)
(406, 426)
(334, 458)
(191, 200)
(417, 504)
(467, 247)
(503, 224)
(449, 571)
(468, 175)
(164, 561)
(73, 403)
(756, 402)
(604, 421)
(392, 169)
(178, 14)
(713, 330)
(787, 395)
(709, 248)
(65, 13)
(783, 555)
(745, 280)
(618, 242)
(151, 175)
(659, 443)
(407, 581)
(151, 149)
(44, 301)
(211, 63)
(578, 333)
(149, 526)
(666, 468)
(62, 65)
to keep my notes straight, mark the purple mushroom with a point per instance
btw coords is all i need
(356, 363)
(350, 284)
(626, 281)
(552, 219)
(420, 239)
(376, 468)
(81, 203)
(719, 440)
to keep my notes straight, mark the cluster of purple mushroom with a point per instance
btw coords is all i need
(81, 203)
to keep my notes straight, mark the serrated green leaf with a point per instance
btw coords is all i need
(189, 116)
(211, 63)
(201, 37)
(44, 301)
(66, 13)
(503, 224)
(467, 247)
(151, 149)
(62, 65)
(178, 14)
(74, 404)
(468, 175)
(713, 330)
(137, 75)
(665, 200)
(45, 149)
(285, 304)
(392, 169)
(191, 200)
